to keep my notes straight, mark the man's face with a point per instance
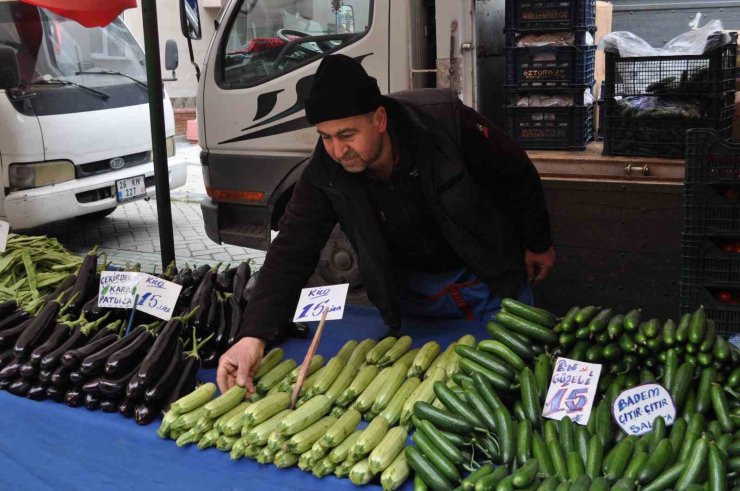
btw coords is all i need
(356, 142)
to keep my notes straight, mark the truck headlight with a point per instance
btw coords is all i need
(37, 174)
(170, 147)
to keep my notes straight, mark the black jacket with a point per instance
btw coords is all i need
(482, 189)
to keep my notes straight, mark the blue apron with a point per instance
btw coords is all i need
(456, 294)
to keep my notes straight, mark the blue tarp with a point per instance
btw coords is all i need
(47, 445)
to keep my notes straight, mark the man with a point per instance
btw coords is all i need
(446, 213)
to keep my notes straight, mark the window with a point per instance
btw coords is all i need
(270, 37)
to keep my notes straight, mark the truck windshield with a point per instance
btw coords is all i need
(51, 46)
(267, 38)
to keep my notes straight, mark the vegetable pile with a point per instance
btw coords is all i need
(75, 352)
(474, 410)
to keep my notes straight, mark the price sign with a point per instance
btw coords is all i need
(314, 300)
(572, 390)
(157, 296)
(635, 409)
(117, 289)
(4, 230)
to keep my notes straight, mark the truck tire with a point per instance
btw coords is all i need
(338, 263)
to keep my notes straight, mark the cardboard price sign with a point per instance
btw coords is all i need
(313, 301)
(572, 390)
(117, 289)
(635, 409)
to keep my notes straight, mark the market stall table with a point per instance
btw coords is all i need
(47, 445)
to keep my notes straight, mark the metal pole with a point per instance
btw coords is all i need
(156, 116)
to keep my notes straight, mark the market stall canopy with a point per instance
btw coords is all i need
(89, 13)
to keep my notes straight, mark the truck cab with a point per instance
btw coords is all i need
(74, 119)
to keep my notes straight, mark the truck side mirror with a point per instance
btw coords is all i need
(10, 74)
(190, 19)
(171, 56)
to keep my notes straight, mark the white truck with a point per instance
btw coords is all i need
(616, 220)
(74, 119)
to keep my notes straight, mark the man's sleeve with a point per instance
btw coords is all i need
(495, 160)
(291, 259)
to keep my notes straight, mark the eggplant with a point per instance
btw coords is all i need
(38, 330)
(9, 336)
(56, 394)
(5, 383)
(243, 273)
(60, 376)
(185, 278)
(145, 414)
(37, 392)
(28, 371)
(249, 288)
(97, 361)
(91, 401)
(58, 336)
(210, 359)
(6, 357)
(62, 287)
(87, 309)
(86, 282)
(12, 319)
(74, 397)
(225, 278)
(20, 387)
(45, 376)
(156, 360)
(135, 388)
(72, 358)
(212, 321)
(158, 392)
(234, 310)
(116, 387)
(108, 405)
(186, 379)
(92, 386)
(127, 407)
(7, 307)
(130, 355)
(52, 359)
(12, 369)
(78, 379)
(202, 299)
(200, 272)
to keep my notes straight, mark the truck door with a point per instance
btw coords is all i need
(253, 127)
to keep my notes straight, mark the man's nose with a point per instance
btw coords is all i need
(339, 149)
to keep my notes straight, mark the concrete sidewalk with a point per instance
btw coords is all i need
(131, 233)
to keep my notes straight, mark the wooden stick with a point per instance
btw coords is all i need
(307, 360)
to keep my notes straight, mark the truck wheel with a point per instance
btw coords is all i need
(97, 215)
(338, 263)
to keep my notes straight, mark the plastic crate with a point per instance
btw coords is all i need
(710, 261)
(550, 67)
(725, 316)
(658, 137)
(710, 159)
(538, 15)
(710, 74)
(556, 128)
(709, 213)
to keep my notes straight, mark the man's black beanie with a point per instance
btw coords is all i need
(341, 88)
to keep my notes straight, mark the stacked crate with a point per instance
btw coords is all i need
(704, 83)
(711, 229)
(550, 71)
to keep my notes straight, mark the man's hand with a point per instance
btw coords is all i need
(539, 265)
(239, 364)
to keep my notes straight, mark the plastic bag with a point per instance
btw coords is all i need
(551, 39)
(658, 108)
(696, 42)
(550, 100)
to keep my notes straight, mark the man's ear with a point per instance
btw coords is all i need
(380, 119)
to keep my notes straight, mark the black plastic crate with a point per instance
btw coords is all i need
(726, 316)
(538, 15)
(659, 137)
(550, 67)
(710, 261)
(707, 212)
(711, 160)
(579, 37)
(710, 74)
(556, 128)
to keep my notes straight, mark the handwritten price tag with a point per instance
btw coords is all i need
(157, 296)
(635, 409)
(117, 289)
(313, 301)
(4, 231)
(572, 390)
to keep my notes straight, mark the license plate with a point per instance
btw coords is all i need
(130, 189)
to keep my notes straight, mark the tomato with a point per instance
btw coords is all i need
(737, 247)
(732, 195)
(725, 297)
(729, 248)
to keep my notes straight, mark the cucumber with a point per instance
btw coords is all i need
(669, 333)
(486, 359)
(632, 320)
(656, 462)
(533, 331)
(542, 374)
(506, 435)
(523, 441)
(541, 452)
(484, 388)
(623, 484)
(680, 387)
(558, 459)
(529, 398)
(651, 328)
(717, 469)
(435, 456)
(574, 463)
(584, 316)
(722, 408)
(710, 336)
(470, 367)
(693, 431)
(721, 351)
(453, 404)
(480, 408)
(615, 327)
(696, 463)
(581, 483)
(487, 469)
(618, 459)
(599, 484)
(532, 314)
(566, 435)
(638, 460)
(442, 419)
(503, 352)
(442, 442)
(515, 342)
(682, 331)
(667, 478)
(526, 474)
(670, 367)
(569, 321)
(697, 326)
(600, 322)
